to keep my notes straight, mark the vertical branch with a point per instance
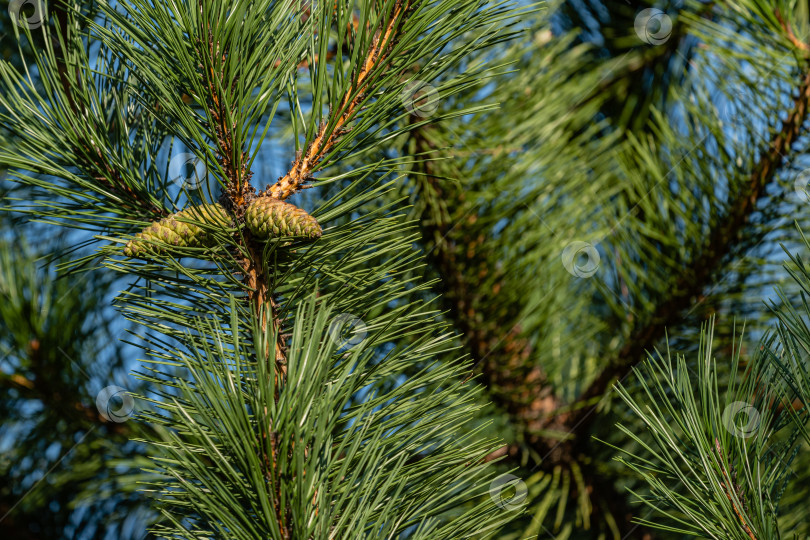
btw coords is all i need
(261, 297)
(727, 490)
(302, 168)
(213, 56)
(239, 194)
(213, 61)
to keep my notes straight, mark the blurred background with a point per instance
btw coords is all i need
(646, 170)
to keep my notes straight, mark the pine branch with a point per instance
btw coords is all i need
(92, 156)
(313, 443)
(213, 56)
(330, 131)
(521, 389)
(516, 385)
(302, 168)
(723, 239)
(513, 381)
(688, 443)
(649, 57)
(577, 418)
(238, 194)
(727, 486)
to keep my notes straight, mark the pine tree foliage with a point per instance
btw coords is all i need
(333, 471)
(266, 424)
(57, 350)
(582, 193)
(569, 244)
(725, 451)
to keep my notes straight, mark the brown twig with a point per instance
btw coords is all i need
(795, 41)
(304, 165)
(213, 58)
(722, 240)
(239, 193)
(725, 485)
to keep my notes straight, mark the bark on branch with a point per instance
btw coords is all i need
(518, 385)
(722, 240)
(515, 383)
(336, 125)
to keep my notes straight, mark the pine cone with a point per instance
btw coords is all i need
(177, 231)
(267, 217)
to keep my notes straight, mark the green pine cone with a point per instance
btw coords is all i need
(176, 230)
(267, 217)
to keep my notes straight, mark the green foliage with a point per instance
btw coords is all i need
(57, 349)
(577, 204)
(247, 453)
(571, 242)
(262, 422)
(727, 441)
(718, 460)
